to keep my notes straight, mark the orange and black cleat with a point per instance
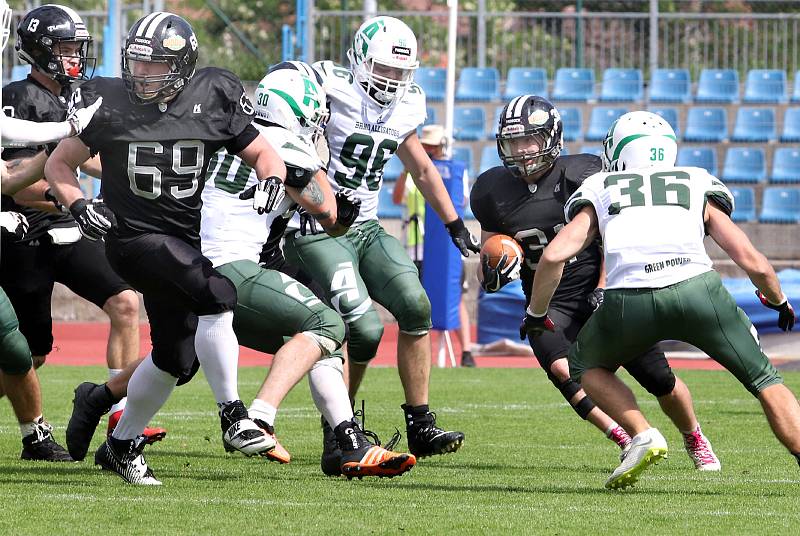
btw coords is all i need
(360, 457)
(279, 453)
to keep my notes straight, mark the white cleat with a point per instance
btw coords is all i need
(698, 447)
(647, 448)
(128, 464)
(248, 438)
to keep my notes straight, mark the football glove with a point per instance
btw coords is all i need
(14, 223)
(347, 207)
(786, 316)
(308, 224)
(80, 118)
(266, 194)
(496, 278)
(533, 326)
(94, 218)
(464, 240)
(595, 298)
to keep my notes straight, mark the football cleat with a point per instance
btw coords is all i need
(361, 457)
(40, 445)
(698, 447)
(240, 433)
(467, 360)
(331, 461)
(125, 457)
(647, 448)
(151, 435)
(90, 403)
(427, 439)
(277, 454)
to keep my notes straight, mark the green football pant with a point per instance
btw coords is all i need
(272, 307)
(698, 311)
(365, 264)
(15, 354)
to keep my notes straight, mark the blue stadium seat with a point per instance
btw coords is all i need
(573, 126)
(574, 85)
(601, 120)
(670, 85)
(718, 85)
(780, 205)
(744, 164)
(564, 151)
(433, 81)
(622, 85)
(476, 84)
(702, 157)
(469, 123)
(786, 165)
(19, 72)
(796, 91)
(765, 86)
(744, 200)
(754, 125)
(393, 169)
(525, 81)
(596, 150)
(464, 154)
(489, 158)
(671, 116)
(493, 128)
(791, 126)
(431, 119)
(386, 207)
(706, 125)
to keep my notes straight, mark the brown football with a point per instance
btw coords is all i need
(498, 245)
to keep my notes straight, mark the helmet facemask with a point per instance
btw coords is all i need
(6, 28)
(149, 88)
(514, 143)
(383, 82)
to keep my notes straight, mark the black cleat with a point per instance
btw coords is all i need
(40, 445)
(427, 439)
(91, 402)
(331, 461)
(125, 458)
(467, 360)
(362, 454)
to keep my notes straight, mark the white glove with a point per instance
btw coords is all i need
(80, 119)
(267, 194)
(15, 223)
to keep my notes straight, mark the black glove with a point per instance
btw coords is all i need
(15, 223)
(496, 278)
(48, 196)
(462, 238)
(266, 194)
(785, 310)
(533, 326)
(347, 207)
(308, 224)
(94, 218)
(595, 298)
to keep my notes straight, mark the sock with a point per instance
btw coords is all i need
(261, 410)
(218, 352)
(120, 404)
(27, 428)
(329, 392)
(148, 390)
(611, 428)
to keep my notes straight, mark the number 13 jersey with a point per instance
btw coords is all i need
(363, 136)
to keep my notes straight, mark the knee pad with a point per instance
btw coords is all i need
(365, 336)
(653, 373)
(332, 362)
(16, 355)
(409, 304)
(220, 296)
(327, 331)
(569, 388)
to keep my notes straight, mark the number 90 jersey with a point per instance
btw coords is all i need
(154, 163)
(533, 215)
(362, 135)
(652, 222)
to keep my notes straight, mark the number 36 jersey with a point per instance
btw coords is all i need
(154, 162)
(651, 221)
(363, 136)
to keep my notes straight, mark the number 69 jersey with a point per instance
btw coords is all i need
(362, 135)
(154, 162)
(651, 221)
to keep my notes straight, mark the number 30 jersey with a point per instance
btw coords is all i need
(363, 136)
(651, 221)
(154, 162)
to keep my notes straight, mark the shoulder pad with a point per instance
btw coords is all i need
(332, 74)
(293, 150)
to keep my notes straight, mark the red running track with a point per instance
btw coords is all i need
(78, 343)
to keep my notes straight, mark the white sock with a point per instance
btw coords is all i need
(329, 392)
(27, 428)
(148, 390)
(261, 410)
(218, 352)
(119, 406)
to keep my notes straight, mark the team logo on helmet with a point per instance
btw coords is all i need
(175, 42)
(538, 117)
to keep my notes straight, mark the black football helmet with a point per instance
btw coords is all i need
(159, 38)
(529, 116)
(45, 27)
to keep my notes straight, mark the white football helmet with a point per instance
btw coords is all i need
(5, 12)
(291, 97)
(383, 58)
(639, 140)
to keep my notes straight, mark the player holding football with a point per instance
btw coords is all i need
(652, 217)
(375, 109)
(525, 199)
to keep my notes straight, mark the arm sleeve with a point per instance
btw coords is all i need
(720, 194)
(21, 133)
(239, 142)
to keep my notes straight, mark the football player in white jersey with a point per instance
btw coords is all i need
(375, 109)
(652, 217)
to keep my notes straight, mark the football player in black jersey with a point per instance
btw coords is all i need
(525, 199)
(54, 40)
(155, 133)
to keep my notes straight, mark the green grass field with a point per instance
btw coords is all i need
(529, 465)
